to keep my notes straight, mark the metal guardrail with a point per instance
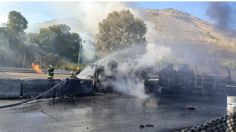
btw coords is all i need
(30, 70)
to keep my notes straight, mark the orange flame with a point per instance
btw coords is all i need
(37, 68)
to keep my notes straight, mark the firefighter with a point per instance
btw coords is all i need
(78, 70)
(73, 75)
(112, 67)
(51, 72)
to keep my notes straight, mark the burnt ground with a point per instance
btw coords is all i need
(111, 113)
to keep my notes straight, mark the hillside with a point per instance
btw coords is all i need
(191, 39)
(171, 24)
(165, 25)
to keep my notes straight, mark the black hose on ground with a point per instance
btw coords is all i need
(29, 100)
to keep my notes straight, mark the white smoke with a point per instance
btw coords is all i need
(3, 19)
(130, 63)
(152, 32)
(88, 48)
(130, 85)
(84, 18)
(128, 81)
(87, 14)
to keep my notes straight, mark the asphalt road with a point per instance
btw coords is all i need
(110, 113)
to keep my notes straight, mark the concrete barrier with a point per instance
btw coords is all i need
(10, 88)
(34, 87)
(15, 88)
(74, 87)
(231, 112)
(87, 86)
(70, 87)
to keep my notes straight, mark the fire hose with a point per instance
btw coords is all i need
(32, 99)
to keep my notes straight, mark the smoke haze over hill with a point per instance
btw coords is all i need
(223, 14)
(177, 30)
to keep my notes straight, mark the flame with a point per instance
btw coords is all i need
(37, 68)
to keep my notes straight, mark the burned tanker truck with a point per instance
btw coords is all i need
(102, 76)
(168, 80)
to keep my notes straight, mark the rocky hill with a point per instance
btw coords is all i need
(171, 24)
(166, 25)
(191, 39)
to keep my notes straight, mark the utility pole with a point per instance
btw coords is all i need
(40, 61)
(79, 56)
(80, 46)
(24, 61)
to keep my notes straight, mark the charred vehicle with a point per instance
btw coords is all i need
(167, 80)
(184, 80)
(102, 76)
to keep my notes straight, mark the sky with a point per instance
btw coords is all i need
(36, 12)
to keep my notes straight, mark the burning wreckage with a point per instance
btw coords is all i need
(165, 81)
(109, 78)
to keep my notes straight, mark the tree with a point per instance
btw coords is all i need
(16, 22)
(118, 31)
(16, 25)
(57, 39)
(12, 40)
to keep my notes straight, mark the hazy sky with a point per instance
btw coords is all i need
(43, 11)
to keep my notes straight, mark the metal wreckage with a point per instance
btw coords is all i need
(164, 81)
(167, 80)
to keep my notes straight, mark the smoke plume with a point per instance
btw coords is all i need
(84, 17)
(3, 19)
(130, 65)
(222, 13)
(129, 79)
